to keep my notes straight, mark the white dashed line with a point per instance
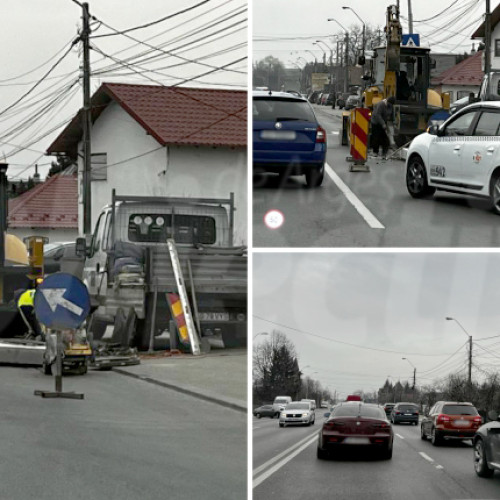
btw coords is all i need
(400, 436)
(439, 467)
(335, 132)
(427, 457)
(370, 219)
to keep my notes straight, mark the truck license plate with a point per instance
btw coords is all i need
(214, 316)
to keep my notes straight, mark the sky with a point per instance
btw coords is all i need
(388, 305)
(303, 23)
(35, 35)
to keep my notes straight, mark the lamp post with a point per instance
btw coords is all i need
(261, 333)
(414, 372)
(3, 220)
(346, 78)
(363, 36)
(331, 62)
(323, 50)
(448, 318)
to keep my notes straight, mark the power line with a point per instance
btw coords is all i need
(342, 342)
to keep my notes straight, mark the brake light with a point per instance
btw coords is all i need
(443, 418)
(381, 425)
(320, 134)
(478, 419)
(398, 413)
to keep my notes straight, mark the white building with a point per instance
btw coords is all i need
(164, 141)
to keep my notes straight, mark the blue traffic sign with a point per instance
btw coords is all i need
(62, 302)
(411, 40)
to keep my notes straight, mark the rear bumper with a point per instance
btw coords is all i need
(405, 418)
(332, 442)
(456, 434)
(293, 161)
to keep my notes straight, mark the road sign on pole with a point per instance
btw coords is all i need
(62, 302)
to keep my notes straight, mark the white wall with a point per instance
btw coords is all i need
(495, 61)
(160, 171)
(454, 89)
(54, 235)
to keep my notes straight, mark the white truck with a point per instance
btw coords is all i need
(129, 272)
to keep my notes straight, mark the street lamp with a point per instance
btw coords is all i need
(346, 78)
(449, 318)
(261, 333)
(414, 372)
(364, 33)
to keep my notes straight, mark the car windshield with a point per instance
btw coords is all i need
(358, 411)
(459, 410)
(298, 406)
(280, 401)
(269, 109)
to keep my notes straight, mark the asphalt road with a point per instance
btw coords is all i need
(285, 466)
(366, 209)
(127, 439)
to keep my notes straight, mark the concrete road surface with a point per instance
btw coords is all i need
(128, 439)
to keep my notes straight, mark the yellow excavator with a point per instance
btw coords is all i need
(402, 71)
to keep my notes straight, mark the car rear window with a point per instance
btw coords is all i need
(459, 410)
(358, 410)
(280, 110)
(407, 408)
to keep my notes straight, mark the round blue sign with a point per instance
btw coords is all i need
(62, 302)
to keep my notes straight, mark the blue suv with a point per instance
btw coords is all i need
(287, 138)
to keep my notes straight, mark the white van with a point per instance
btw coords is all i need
(280, 402)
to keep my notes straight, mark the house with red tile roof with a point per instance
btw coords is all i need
(462, 79)
(49, 209)
(164, 141)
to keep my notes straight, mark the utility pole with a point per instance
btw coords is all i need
(410, 17)
(470, 360)
(87, 123)
(346, 81)
(487, 47)
(3, 221)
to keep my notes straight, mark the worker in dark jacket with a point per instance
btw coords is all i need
(382, 113)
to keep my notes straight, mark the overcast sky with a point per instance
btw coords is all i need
(307, 22)
(383, 302)
(36, 34)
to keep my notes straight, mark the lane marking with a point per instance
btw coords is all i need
(427, 457)
(275, 468)
(335, 132)
(439, 467)
(370, 219)
(280, 455)
(400, 436)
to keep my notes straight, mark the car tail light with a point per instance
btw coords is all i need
(398, 413)
(478, 419)
(320, 134)
(416, 412)
(333, 425)
(381, 425)
(442, 419)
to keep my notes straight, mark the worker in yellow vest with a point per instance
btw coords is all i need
(26, 307)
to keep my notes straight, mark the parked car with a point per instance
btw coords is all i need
(297, 413)
(342, 99)
(448, 420)
(356, 425)
(353, 101)
(460, 156)
(405, 413)
(324, 99)
(486, 444)
(330, 101)
(54, 253)
(287, 137)
(388, 408)
(313, 96)
(265, 411)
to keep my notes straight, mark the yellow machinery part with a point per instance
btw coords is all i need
(434, 99)
(15, 251)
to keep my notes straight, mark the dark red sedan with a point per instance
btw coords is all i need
(356, 424)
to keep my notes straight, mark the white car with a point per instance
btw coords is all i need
(297, 413)
(462, 155)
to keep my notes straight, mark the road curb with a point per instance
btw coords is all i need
(191, 391)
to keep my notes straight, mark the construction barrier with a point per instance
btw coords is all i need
(360, 127)
(178, 313)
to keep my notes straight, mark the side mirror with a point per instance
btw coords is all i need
(433, 130)
(81, 247)
(327, 414)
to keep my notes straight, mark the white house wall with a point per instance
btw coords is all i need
(454, 89)
(138, 165)
(495, 61)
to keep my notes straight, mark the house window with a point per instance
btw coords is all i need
(497, 48)
(99, 166)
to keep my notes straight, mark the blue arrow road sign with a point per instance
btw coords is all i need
(62, 302)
